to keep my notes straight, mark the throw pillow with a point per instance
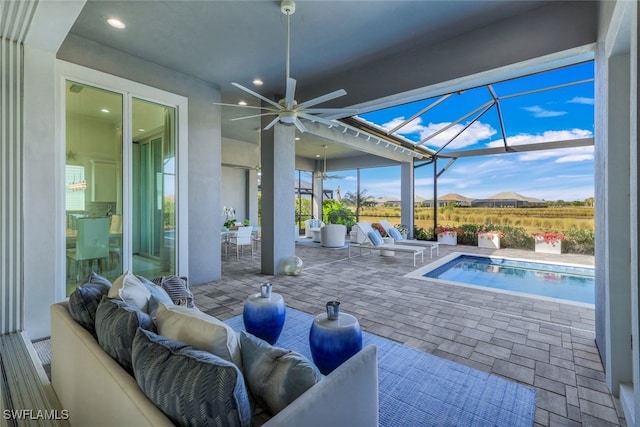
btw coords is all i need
(130, 289)
(84, 301)
(94, 277)
(116, 325)
(191, 387)
(375, 237)
(276, 376)
(155, 290)
(395, 234)
(199, 330)
(178, 289)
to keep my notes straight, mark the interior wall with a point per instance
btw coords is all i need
(233, 192)
(204, 161)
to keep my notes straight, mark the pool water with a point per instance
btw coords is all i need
(549, 280)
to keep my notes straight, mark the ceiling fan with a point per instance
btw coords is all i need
(287, 110)
(324, 167)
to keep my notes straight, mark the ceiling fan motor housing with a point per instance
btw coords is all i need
(288, 7)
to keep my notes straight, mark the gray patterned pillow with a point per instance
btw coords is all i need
(116, 325)
(190, 386)
(178, 289)
(276, 377)
(83, 302)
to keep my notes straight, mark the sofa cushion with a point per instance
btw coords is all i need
(190, 386)
(158, 295)
(116, 325)
(178, 289)
(276, 377)
(199, 330)
(130, 289)
(84, 301)
(375, 237)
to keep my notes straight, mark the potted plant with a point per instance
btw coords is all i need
(549, 242)
(335, 212)
(447, 235)
(403, 230)
(489, 239)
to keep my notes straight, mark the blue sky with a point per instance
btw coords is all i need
(558, 114)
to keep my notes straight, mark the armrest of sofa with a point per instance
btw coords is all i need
(90, 384)
(347, 397)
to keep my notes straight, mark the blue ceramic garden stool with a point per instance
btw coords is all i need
(332, 342)
(264, 316)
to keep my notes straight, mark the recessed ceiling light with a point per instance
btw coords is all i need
(258, 82)
(105, 110)
(297, 138)
(243, 103)
(140, 130)
(317, 155)
(116, 23)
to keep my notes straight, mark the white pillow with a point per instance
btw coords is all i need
(130, 289)
(198, 329)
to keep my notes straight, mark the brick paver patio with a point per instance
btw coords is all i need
(544, 344)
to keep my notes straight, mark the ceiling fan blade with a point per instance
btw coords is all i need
(319, 119)
(299, 125)
(270, 125)
(324, 98)
(257, 95)
(291, 92)
(222, 104)
(254, 116)
(341, 111)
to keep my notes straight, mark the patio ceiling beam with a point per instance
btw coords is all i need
(361, 141)
(419, 113)
(450, 125)
(551, 145)
(499, 111)
(465, 128)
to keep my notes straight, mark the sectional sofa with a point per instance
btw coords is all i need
(97, 390)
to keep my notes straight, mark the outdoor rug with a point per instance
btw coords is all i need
(419, 389)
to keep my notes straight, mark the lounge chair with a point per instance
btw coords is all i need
(392, 232)
(369, 238)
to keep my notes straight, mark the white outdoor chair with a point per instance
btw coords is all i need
(397, 237)
(242, 238)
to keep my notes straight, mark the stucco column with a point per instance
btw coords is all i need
(278, 197)
(407, 195)
(316, 205)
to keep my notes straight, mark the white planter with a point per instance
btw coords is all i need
(489, 240)
(387, 241)
(448, 238)
(549, 248)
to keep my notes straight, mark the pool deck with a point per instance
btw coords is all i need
(547, 345)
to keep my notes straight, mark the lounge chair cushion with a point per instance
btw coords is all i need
(395, 234)
(375, 237)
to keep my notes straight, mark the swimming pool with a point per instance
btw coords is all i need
(558, 281)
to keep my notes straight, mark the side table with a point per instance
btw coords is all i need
(387, 241)
(264, 316)
(332, 342)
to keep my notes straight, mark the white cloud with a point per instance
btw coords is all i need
(540, 112)
(475, 133)
(546, 136)
(581, 100)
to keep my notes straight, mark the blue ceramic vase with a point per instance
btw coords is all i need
(264, 314)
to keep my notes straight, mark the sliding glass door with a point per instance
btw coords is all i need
(120, 184)
(154, 192)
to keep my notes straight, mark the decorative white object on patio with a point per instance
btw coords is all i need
(548, 247)
(387, 241)
(489, 240)
(448, 238)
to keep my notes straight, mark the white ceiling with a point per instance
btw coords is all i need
(334, 44)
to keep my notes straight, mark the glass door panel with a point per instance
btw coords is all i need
(153, 188)
(93, 183)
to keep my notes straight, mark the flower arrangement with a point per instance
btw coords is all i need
(402, 229)
(490, 234)
(380, 228)
(445, 229)
(549, 237)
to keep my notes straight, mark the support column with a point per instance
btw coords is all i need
(407, 196)
(318, 185)
(278, 197)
